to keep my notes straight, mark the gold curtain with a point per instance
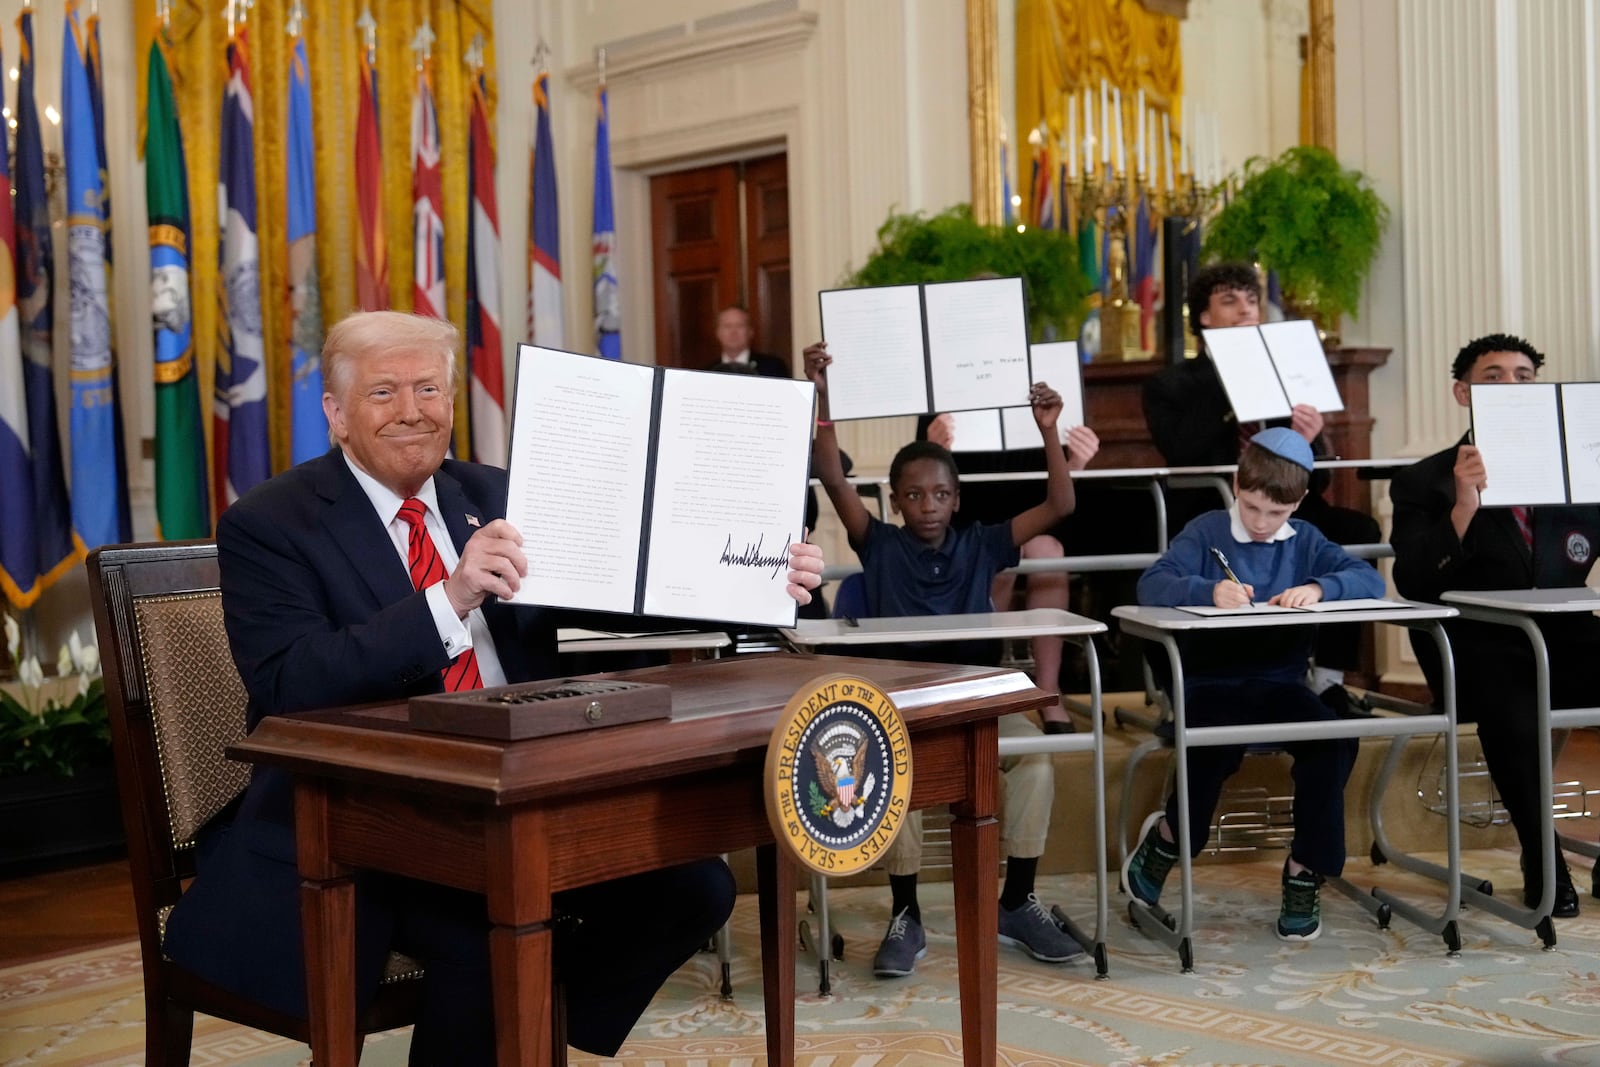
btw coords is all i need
(1066, 46)
(198, 58)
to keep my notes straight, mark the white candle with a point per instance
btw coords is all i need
(1116, 128)
(1166, 146)
(1187, 145)
(1138, 114)
(1105, 126)
(1216, 150)
(1069, 147)
(1155, 159)
(1088, 134)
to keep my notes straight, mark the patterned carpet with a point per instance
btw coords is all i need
(1358, 995)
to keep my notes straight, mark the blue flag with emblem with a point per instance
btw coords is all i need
(56, 549)
(97, 482)
(607, 298)
(308, 434)
(239, 418)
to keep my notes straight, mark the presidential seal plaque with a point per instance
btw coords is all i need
(838, 781)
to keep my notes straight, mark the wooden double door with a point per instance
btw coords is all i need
(720, 236)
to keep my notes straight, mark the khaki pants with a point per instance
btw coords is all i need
(1027, 789)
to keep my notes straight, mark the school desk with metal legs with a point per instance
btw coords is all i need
(1034, 622)
(1163, 626)
(1521, 609)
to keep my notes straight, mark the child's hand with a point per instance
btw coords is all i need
(817, 361)
(942, 431)
(1306, 421)
(1226, 594)
(1298, 596)
(1046, 405)
(1082, 444)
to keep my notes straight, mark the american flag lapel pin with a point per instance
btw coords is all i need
(472, 520)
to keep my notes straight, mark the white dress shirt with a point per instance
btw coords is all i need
(455, 633)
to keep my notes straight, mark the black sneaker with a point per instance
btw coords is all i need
(1146, 870)
(903, 945)
(1300, 918)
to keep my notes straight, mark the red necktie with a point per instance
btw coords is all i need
(1524, 523)
(422, 558)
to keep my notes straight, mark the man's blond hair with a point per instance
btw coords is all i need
(363, 333)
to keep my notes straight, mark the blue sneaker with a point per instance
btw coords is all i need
(1300, 918)
(1146, 870)
(903, 945)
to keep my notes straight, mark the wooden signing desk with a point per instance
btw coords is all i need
(519, 821)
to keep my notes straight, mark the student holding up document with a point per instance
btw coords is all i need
(1193, 424)
(1448, 536)
(926, 567)
(995, 441)
(1260, 677)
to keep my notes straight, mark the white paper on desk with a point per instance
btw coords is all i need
(977, 344)
(1517, 428)
(1243, 363)
(1580, 424)
(1056, 364)
(875, 337)
(1302, 364)
(731, 467)
(977, 431)
(579, 458)
(1360, 603)
(1262, 608)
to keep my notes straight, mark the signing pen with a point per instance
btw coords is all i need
(1222, 561)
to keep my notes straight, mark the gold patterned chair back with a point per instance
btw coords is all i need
(197, 706)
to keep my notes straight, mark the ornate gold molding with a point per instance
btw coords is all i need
(1320, 60)
(983, 108)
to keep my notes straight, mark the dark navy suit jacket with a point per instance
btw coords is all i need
(320, 612)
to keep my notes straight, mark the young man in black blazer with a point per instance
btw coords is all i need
(1444, 539)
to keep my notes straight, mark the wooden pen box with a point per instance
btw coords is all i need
(539, 709)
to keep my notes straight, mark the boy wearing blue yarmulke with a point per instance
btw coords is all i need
(1255, 552)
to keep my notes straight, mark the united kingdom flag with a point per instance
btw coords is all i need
(427, 191)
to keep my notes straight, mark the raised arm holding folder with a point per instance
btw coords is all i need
(1540, 442)
(1268, 369)
(644, 490)
(1012, 428)
(919, 349)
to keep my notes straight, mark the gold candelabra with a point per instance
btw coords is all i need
(1112, 200)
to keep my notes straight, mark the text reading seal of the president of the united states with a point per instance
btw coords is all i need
(838, 781)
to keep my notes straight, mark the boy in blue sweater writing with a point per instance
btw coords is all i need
(928, 567)
(1229, 681)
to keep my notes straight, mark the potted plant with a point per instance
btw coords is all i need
(952, 246)
(1315, 223)
(58, 788)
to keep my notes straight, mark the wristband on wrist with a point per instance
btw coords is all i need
(824, 422)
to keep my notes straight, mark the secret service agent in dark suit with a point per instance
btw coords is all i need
(320, 610)
(734, 334)
(1444, 540)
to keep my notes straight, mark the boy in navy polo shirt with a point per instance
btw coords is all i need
(1260, 677)
(926, 567)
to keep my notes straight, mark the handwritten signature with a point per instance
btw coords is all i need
(752, 557)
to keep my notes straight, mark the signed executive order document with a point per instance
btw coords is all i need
(652, 491)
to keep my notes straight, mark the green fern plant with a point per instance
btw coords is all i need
(1315, 223)
(953, 246)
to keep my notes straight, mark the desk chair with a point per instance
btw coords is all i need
(176, 703)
